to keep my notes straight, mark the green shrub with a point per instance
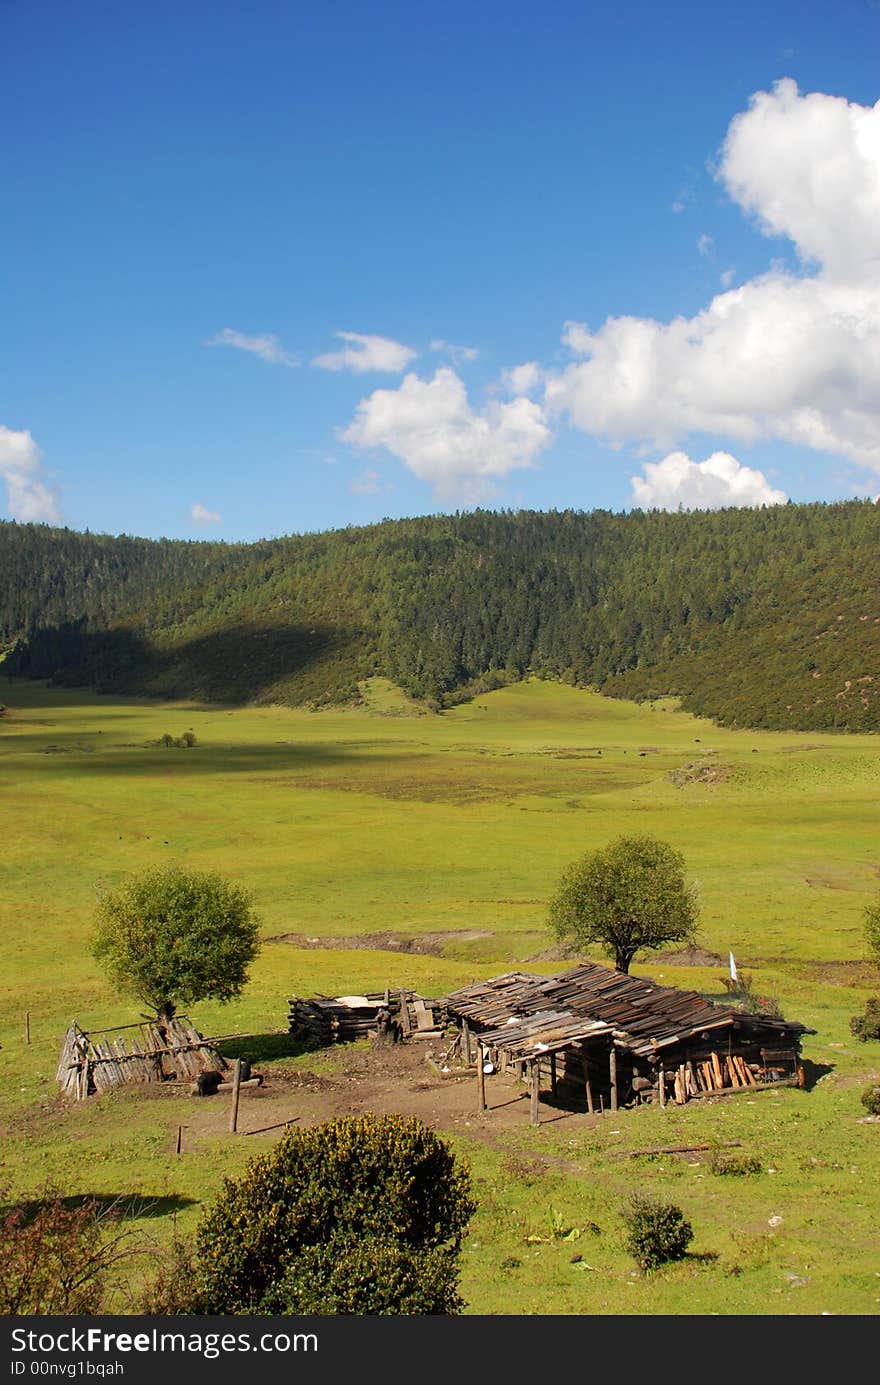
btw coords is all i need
(871, 1099)
(367, 1277)
(58, 1255)
(867, 1026)
(734, 1163)
(301, 1210)
(657, 1231)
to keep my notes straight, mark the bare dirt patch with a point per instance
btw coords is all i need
(393, 1078)
(689, 957)
(429, 944)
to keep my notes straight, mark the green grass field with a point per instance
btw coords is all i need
(383, 818)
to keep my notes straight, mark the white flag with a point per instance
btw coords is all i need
(733, 972)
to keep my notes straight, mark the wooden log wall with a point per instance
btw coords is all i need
(323, 1021)
(98, 1063)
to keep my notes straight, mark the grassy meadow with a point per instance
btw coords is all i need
(385, 818)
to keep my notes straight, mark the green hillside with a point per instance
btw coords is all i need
(754, 617)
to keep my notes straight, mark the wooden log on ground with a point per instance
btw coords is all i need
(246, 1082)
(716, 1068)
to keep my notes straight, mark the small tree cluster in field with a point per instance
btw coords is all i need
(871, 1099)
(184, 742)
(57, 1257)
(657, 1231)
(361, 1215)
(867, 1026)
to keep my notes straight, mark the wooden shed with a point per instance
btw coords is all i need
(609, 1039)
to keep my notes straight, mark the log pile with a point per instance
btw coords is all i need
(727, 1073)
(133, 1053)
(322, 1020)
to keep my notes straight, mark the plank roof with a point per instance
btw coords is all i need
(537, 1013)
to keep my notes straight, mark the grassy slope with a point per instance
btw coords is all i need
(358, 821)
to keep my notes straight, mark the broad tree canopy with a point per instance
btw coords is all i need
(627, 896)
(174, 937)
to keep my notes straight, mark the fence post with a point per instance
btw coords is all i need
(236, 1083)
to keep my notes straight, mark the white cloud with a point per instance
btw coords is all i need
(366, 482)
(431, 427)
(808, 167)
(267, 347)
(795, 359)
(720, 480)
(365, 353)
(203, 516)
(706, 246)
(459, 355)
(727, 277)
(522, 379)
(782, 356)
(28, 498)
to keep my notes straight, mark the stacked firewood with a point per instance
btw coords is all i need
(715, 1074)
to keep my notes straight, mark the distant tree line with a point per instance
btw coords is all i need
(761, 617)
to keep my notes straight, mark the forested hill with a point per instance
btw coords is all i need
(761, 617)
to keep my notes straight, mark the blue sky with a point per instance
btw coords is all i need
(274, 267)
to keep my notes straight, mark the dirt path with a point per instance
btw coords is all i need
(394, 1079)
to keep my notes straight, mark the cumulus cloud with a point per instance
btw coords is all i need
(795, 359)
(431, 426)
(522, 379)
(204, 516)
(364, 352)
(267, 347)
(808, 167)
(28, 497)
(782, 356)
(720, 480)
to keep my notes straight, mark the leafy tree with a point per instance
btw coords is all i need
(626, 896)
(872, 929)
(174, 937)
(363, 1214)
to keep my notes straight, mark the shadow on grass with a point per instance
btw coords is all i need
(114, 1207)
(264, 1048)
(814, 1072)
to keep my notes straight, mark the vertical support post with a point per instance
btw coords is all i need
(27, 1026)
(179, 1138)
(553, 1073)
(661, 1078)
(535, 1074)
(481, 1080)
(236, 1083)
(588, 1087)
(404, 1015)
(612, 1069)
(466, 1036)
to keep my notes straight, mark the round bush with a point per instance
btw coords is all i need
(657, 1232)
(871, 1099)
(367, 1277)
(384, 1179)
